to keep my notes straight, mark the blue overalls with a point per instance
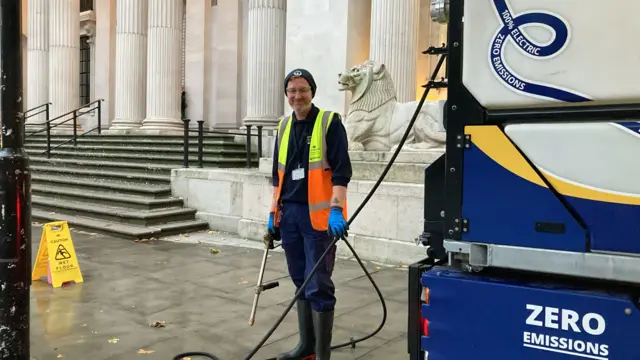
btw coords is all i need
(303, 247)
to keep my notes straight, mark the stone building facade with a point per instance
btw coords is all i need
(228, 56)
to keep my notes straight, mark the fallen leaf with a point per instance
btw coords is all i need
(143, 351)
(158, 324)
(214, 251)
(114, 340)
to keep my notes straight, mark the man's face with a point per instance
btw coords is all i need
(299, 94)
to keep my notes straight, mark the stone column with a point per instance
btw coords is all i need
(164, 69)
(196, 66)
(37, 60)
(226, 69)
(131, 63)
(64, 62)
(394, 42)
(266, 61)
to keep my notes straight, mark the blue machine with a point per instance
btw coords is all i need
(532, 214)
(515, 317)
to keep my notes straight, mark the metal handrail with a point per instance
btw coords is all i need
(76, 113)
(25, 117)
(201, 133)
(70, 140)
(74, 110)
(37, 107)
(49, 121)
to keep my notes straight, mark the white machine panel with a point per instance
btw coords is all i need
(599, 156)
(532, 53)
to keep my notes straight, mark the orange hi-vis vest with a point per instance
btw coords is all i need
(320, 186)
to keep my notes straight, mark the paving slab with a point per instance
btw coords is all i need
(158, 298)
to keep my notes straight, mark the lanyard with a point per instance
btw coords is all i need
(297, 144)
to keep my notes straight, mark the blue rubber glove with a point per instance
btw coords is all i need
(271, 226)
(337, 224)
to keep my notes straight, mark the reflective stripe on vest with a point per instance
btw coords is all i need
(320, 186)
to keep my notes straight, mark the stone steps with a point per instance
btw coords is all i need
(117, 228)
(104, 185)
(97, 174)
(98, 164)
(104, 159)
(62, 194)
(126, 215)
(94, 138)
(121, 185)
(210, 149)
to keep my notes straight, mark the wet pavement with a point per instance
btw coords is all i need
(153, 300)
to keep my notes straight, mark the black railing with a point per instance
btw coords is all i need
(45, 110)
(201, 133)
(92, 106)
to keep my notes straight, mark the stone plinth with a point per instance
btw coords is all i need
(164, 65)
(131, 63)
(384, 230)
(38, 60)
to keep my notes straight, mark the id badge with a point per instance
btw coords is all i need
(297, 174)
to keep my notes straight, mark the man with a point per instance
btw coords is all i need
(311, 171)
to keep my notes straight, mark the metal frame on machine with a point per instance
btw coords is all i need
(462, 109)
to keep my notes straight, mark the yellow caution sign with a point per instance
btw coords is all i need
(57, 258)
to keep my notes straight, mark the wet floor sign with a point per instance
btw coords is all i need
(57, 258)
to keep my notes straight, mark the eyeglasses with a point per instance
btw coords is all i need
(300, 90)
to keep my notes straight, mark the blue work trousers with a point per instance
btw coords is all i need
(303, 247)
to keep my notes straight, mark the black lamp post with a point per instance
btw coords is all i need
(15, 192)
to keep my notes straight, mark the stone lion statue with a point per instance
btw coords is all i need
(376, 121)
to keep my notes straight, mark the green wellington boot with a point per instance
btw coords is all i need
(306, 345)
(323, 326)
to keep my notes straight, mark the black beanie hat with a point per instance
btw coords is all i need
(304, 74)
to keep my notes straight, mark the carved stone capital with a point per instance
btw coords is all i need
(89, 29)
(88, 25)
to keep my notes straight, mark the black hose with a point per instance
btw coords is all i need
(352, 343)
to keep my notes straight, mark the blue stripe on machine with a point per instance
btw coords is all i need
(631, 125)
(612, 227)
(503, 208)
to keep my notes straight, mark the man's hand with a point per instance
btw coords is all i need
(273, 233)
(337, 224)
(272, 229)
(271, 226)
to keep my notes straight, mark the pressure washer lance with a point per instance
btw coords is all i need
(268, 245)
